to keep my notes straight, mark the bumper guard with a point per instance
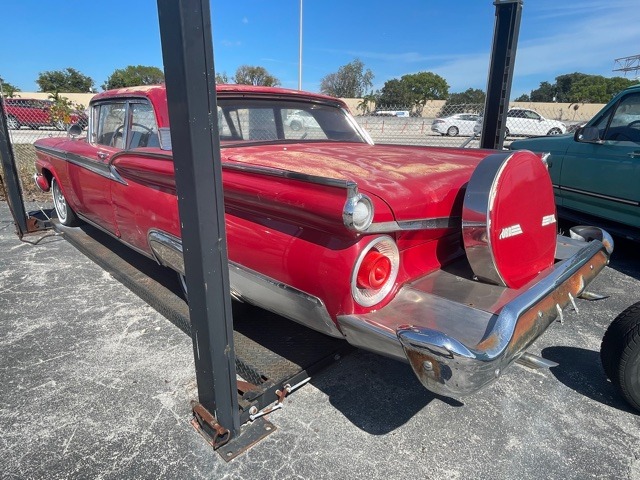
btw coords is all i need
(462, 333)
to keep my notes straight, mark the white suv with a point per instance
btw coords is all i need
(527, 123)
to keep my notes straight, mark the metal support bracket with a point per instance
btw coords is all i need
(207, 425)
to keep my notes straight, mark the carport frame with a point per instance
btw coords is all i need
(25, 223)
(185, 27)
(500, 78)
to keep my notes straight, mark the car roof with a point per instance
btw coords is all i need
(157, 96)
(152, 91)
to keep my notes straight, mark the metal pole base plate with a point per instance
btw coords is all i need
(250, 434)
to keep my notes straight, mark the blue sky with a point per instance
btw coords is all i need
(452, 39)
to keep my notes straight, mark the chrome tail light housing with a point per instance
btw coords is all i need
(375, 271)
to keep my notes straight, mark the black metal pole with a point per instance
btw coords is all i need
(503, 58)
(187, 50)
(10, 178)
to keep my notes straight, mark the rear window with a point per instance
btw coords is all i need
(262, 120)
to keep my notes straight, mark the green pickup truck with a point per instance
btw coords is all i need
(596, 171)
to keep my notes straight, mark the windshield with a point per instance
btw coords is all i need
(243, 120)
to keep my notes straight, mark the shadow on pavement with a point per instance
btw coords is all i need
(580, 370)
(626, 257)
(375, 393)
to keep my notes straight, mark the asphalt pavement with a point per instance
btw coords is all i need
(97, 384)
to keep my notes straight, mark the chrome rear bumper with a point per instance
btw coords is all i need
(459, 335)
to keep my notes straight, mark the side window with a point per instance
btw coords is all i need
(625, 122)
(531, 115)
(108, 124)
(143, 131)
(248, 124)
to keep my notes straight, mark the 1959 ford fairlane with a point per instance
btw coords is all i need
(445, 258)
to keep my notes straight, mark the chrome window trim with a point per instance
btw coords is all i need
(363, 133)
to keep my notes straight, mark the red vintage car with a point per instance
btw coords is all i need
(33, 113)
(445, 258)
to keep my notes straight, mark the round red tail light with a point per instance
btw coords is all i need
(374, 270)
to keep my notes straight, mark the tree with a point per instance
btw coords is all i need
(470, 101)
(133, 76)
(564, 84)
(414, 90)
(365, 104)
(395, 94)
(69, 80)
(249, 75)
(523, 98)
(8, 90)
(579, 88)
(616, 84)
(597, 89)
(544, 93)
(222, 78)
(350, 81)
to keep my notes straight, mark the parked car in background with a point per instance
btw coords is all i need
(299, 119)
(391, 113)
(527, 123)
(35, 113)
(458, 124)
(439, 257)
(596, 172)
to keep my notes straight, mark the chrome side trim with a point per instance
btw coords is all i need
(599, 195)
(362, 334)
(252, 287)
(303, 177)
(455, 347)
(353, 196)
(280, 298)
(167, 250)
(435, 223)
(105, 170)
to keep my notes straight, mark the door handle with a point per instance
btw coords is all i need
(635, 154)
(103, 155)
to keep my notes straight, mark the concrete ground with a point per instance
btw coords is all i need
(96, 384)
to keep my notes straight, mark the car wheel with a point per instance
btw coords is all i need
(555, 131)
(295, 125)
(66, 216)
(452, 131)
(620, 354)
(13, 123)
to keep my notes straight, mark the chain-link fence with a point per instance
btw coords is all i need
(29, 119)
(436, 124)
(456, 125)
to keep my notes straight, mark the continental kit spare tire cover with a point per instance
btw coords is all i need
(509, 219)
